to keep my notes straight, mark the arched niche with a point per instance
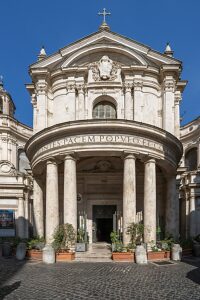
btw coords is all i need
(191, 159)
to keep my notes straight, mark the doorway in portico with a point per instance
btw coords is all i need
(103, 222)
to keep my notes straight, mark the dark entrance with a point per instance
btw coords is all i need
(103, 222)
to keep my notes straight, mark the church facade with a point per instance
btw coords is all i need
(106, 140)
(106, 129)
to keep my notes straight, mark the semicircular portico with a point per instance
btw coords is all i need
(104, 137)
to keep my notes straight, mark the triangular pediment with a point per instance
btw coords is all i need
(92, 47)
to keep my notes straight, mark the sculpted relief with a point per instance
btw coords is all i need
(105, 69)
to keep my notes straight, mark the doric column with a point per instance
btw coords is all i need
(81, 102)
(38, 208)
(21, 219)
(192, 216)
(129, 195)
(168, 104)
(128, 107)
(177, 113)
(138, 100)
(172, 207)
(52, 206)
(150, 201)
(70, 191)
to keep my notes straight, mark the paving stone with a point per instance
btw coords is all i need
(95, 281)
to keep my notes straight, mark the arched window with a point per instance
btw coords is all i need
(191, 159)
(104, 110)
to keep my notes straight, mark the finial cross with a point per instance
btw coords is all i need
(104, 14)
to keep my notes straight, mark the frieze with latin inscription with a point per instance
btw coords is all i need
(98, 139)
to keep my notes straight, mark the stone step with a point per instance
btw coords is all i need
(96, 252)
(93, 259)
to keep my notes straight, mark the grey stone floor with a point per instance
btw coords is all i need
(78, 280)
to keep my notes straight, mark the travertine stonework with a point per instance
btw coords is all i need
(111, 105)
(106, 133)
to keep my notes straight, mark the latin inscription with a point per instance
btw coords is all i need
(98, 139)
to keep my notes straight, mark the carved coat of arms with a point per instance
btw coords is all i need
(105, 69)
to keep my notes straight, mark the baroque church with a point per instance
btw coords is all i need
(106, 144)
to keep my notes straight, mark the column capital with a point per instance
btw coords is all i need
(71, 87)
(51, 161)
(169, 84)
(177, 97)
(80, 88)
(127, 87)
(137, 84)
(129, 156)
(70, 156)
(150, 160)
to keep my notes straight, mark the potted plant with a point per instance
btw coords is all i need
(196, 245)
(160, 250)
(119, 251)
(34, 248)
(81, 245)
(64, 242)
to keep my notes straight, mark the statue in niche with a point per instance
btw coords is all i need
(105, 69)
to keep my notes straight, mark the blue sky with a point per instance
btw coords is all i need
(26, 25)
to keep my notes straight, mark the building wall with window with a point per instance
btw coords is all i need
(15, 175)
(190, 179)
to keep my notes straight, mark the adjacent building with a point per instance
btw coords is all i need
(15, 176)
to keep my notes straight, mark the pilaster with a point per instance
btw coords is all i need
(168, 104)
(138, 100)
(128, 107)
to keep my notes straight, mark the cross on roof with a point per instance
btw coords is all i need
(104, 14)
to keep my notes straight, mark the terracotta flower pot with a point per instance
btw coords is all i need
(158, 255)
(65, 256)
(123, 256)
(34, 254)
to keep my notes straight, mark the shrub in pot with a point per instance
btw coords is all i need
(64, 242)
(35, 247)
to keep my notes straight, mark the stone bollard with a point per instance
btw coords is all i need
(48, 255)
(176, 252)
(141, 255)
(7, 249)
(21, 251)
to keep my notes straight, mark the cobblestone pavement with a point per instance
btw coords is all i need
(77, 280)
